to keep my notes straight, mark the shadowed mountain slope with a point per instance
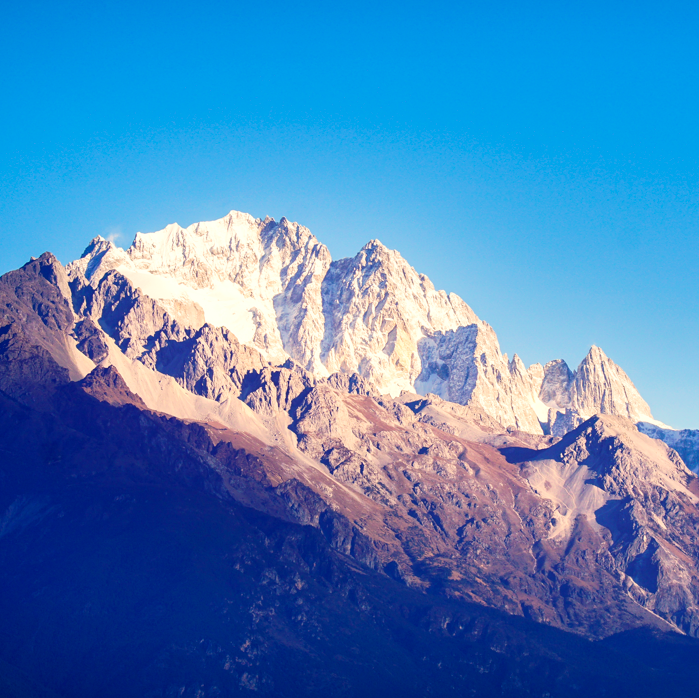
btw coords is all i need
(183, 516)
(128, 571)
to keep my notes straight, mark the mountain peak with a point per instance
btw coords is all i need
(98, 243)
(600, 385)
(275, 287)
(595, 354)
(376, 249)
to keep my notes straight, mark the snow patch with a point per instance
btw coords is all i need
(541, 410)
(224, 304)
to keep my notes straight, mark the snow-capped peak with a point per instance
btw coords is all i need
(276, 288)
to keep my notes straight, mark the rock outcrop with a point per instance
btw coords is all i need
(462, 495)
(636, 492)
(598, 386)
(37, 330)
(377, 311)
(684, 441)
(465, 366)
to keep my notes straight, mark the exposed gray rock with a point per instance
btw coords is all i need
(39, 291)
(640, 491)
(351, 383)
(323, 415)
(36, 323)
(600, 386)
(466, 366)
(211, 362)
(377, 310)
(556, 383)
(269, 389)
(28, 371)
(560, 423)
(105, 384)
(90, 340)
(135, 322)
(597, 386)
(684, 441)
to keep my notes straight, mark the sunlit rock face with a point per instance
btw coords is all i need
(258, 278)
(278, 294)
(378, 309)
(684, 441)
(466, 366)
(222, 419)
(598, 386)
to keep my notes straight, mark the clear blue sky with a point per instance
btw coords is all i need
(537, 158)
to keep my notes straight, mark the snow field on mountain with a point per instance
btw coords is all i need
(223, 305)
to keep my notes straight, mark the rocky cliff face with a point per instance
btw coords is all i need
(36, 326)
(378, 310)
(597, 386)
(684, 441)
(462, 495)
(275, 289)
(637, 494)
(258, 278)
(465, 366)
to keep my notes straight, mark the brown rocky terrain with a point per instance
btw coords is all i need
(309, 517)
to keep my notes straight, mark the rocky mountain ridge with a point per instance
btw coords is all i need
(274, 287)
(427, 482)
(684, 441)
(106, 389)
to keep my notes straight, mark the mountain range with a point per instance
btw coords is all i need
(275, 287)
(243, 467)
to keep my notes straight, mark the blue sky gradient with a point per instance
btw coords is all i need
(537, 158)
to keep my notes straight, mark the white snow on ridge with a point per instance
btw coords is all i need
(541, 409)
(655, 422)
(223, 304)
(275, 287)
